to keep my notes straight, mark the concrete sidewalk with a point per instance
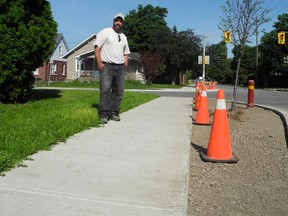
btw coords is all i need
(138, 166)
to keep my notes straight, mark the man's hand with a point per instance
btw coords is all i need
(100, 65)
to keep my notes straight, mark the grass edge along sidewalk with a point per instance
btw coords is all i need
(49, 117)
(129, 84)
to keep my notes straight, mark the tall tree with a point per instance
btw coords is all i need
(273, 67)
(247, 68)
(150, 64)
(142, 24)
(219, 64)
(242, 17)
(27, 31)
(179, 50)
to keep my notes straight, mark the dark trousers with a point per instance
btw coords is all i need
(112, 78)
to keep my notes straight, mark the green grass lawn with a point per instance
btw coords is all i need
(129, 84)
(51, 116)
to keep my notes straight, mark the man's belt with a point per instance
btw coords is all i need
(112, 63)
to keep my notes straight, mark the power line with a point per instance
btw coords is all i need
(273, 8)
(276, 5)
(278, 12)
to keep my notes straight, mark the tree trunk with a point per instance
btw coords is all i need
(233, 107)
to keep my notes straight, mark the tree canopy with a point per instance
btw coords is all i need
(219, 68)
(273, 67)
(248, 64)
(142, 24)
(28, 32)
(179, 50)
(148, 33)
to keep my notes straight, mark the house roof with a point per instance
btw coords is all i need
(58, 39)
(134, 56)
(79, 45)
(86, 54)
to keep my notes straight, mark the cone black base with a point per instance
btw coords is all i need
(205, 158)
(199, 123)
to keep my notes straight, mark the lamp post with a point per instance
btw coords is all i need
(203, 58)
(204, 55)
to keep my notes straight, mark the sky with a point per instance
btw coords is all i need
(77, 20)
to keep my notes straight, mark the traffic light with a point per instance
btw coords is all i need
(228, 36)
(281, 38)
(204, 60)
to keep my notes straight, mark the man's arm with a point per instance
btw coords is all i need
(126, 60)
(97, 50)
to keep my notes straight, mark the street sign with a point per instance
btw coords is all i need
(206, 60)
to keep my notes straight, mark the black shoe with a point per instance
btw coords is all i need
(104, 120)
(115, 117)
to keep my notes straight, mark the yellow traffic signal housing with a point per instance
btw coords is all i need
(281, 38)
(203, 59)
(228, 36)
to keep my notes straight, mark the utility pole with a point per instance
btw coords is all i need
(204, 55)
(257, 54)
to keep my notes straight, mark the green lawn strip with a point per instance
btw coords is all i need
(51, 116)
(128, 85)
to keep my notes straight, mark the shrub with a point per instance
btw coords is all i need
(28, 34)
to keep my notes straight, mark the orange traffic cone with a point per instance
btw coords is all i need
(197, 97)
(202, 117)
(196, 92)
(219, 147)
(210, 86)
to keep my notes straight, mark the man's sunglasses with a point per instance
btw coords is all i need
(118, 20)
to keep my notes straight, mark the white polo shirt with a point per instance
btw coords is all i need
(113, 46)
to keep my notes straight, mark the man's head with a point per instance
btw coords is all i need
(118, 22)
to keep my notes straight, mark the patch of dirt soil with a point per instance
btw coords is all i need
(258, 183)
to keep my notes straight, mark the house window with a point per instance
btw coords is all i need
(77, 62)
(135, 67)
(83, 64)
(60, 50)
(63, 69)
(80, 64)
(54, 67)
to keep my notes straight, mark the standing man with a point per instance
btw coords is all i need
(111, 51)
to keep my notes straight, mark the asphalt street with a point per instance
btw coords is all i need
(271, 98)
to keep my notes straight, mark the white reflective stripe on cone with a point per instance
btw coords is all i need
(220, 104)
(204, 94)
